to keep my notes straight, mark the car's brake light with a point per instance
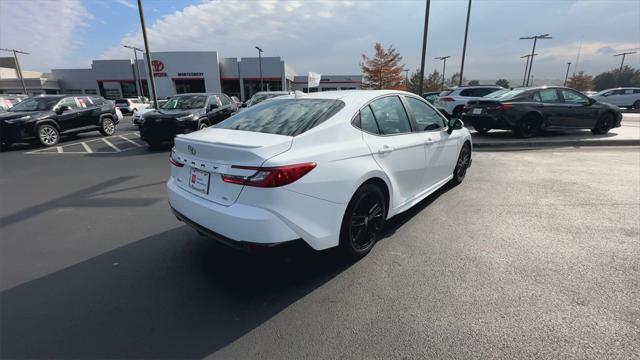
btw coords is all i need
(447, 99)
(503, 107)
(269, 176)
(173, 161)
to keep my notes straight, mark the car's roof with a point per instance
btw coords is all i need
(52, 95)
(346, 95)
(191, 94)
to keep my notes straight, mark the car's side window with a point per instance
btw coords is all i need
(573, 97)
(84, 101)
(213, 99)
(69, 102)
(391, 116)
(224, 100)
(636, 91)
(426, 117)
(368, 121)
(549, 96)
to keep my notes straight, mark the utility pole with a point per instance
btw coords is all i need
(444, 67)
(567, 75)
(624, 54)
(535, 40)
(424, 45)
(18, 69)
(135, 56)
(260, 61)
(526, 67)
(154, 96)
(464, 47)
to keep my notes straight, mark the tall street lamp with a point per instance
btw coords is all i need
(18, 69)
(135, 56)
(424, 45)
(464, 47)
(624, 54)
(151, 79)
(526, 67)
(566, 76)
(260, 61)
(444, 67)
(535, 40)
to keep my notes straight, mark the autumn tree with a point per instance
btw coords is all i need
(503, 82)
(580, 81)
(384, 70)
(433, 82)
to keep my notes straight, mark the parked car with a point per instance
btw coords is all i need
(136, 118)
(431, 96)
(526, 111)
(7, 101)
(621, 97)
(183, 114)
(131, 105)
(328, 168)
(264, 95)
(46, 117)
(451, 102)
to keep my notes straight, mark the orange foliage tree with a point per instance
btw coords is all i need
(384, 70)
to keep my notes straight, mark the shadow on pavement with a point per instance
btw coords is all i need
(544, 135)
(170, 295)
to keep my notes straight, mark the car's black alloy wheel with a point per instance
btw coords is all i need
(363, 221)
(604, 124)
(527, 127)
(464, 160)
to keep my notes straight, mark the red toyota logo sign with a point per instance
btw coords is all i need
(157, 65)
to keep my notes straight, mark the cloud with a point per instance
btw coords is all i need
(127, 3)
(48, 42)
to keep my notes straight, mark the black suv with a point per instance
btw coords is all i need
(46, 117)
(183, 114)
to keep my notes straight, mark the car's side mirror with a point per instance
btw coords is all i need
(62, 109)
(454, 124)
(212, 107)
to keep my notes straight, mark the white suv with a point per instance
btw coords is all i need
(451, 102)
(621, 97)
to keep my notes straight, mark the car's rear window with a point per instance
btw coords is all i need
(289, 117)
(122, 101)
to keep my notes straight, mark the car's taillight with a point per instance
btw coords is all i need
(503, 107)
(173, 161)
(269, 176)
(447, 99)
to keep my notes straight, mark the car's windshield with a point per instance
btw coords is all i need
(258, 98)
(185, 102)
(35, 104)
(284, 117)
(497, 94)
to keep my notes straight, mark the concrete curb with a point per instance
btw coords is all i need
(560, 143)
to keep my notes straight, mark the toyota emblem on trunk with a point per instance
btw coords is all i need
(191, 149)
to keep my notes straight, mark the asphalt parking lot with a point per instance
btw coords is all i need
(535, 255)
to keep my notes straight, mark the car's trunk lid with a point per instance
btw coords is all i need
(215, 151)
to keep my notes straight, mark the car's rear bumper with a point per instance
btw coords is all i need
(280, 217)
(486, 121)
(164, 129)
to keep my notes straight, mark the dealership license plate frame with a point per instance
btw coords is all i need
(202, 186)
(477, 111)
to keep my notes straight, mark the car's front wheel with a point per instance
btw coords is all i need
(202, 125)
(464, 161)
(48, 135)
(108, 127)
(363, 221)
(604, 124)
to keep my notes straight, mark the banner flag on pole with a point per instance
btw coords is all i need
(313, 79)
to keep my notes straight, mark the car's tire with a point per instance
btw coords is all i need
(463, 163)
(107, 126)
(604, 124)
(481, 129)
(363, 221)
(636, 105)
(48, 135)
(527, 127)
(202, 125)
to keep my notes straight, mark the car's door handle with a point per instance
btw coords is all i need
(386, 149)
(428, 141)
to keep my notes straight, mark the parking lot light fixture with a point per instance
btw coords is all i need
(135, 56)
(260, 64)
(526, 67)
(535, 40)
(424, 45)
(464, 47)
(18, 69)
(444, 67)
(566, 76)
(623, 54)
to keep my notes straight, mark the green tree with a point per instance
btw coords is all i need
(433, 82)
(614, 78)
(580, 81)
(473, 83)
(384, 70)
(414, 82)
(503, 82)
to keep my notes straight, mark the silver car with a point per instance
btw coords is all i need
(628, 97)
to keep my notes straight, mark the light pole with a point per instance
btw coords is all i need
(135, 56)
(566, 76)
(526, 66)
(444, 67)
(624, 54)
(535, 40)
(154, 97)
(260, 61)
(18, 69)
(424, 45)
(464, 47)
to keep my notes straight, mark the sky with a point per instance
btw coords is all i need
(329, 37)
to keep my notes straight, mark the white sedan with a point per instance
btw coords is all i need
(328, 168)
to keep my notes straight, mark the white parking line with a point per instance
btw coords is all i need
(86, 147)
(110, 144)
(60, 149)
(131, 141)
